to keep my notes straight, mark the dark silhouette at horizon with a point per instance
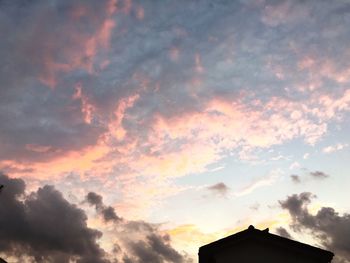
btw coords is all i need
(2, 260)
(254, 245)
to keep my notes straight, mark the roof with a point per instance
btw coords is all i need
(263, 235)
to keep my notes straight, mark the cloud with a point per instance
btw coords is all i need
(220, 189)
(154, 249)
(141, 241)
(295, 178)
(306, 156)
(144, 242)
(327, 225)
(45, 56)
(294, 165)
(254, 207)
(283, 232)
(319, 175)
(258, 183)
(79, 113)
(284, 12)
(108, 213)
(103, 91)
(49, 44)
(44, 226)
(334, 148)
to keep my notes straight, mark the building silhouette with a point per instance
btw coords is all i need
(253, 245)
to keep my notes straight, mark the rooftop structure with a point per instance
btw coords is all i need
(254, 245)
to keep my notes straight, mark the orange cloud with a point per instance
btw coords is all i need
(86, 160)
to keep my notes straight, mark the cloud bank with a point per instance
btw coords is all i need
(328, 226)
(43, 226)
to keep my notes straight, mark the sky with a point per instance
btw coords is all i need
(138, 131)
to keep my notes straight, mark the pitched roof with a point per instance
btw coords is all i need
(252, 233)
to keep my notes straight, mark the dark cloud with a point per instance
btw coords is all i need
(319, 175)
(126, 259)
(94, 199)
(283, 232)
(148, 244)
(45, 226)
(108, 213)
(146, 251)
(220, 189)
(296, 205)
(328, 226)
(153, 247)
(161, 245)
(295, 178)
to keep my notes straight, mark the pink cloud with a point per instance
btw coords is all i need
(198, 62)
(81, 46)
(116, 129)
(334, 148)
(140, 12)
(221, 126)
(38, 148)
(87, 108)
(174, 53)
(283, 12)
(186, 143)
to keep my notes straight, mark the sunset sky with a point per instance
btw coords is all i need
(137, 131)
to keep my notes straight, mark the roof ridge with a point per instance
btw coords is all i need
(252, 232)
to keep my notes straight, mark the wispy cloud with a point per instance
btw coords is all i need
(334, 148)
(306, 156)
(263, 181)
(294, 165)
